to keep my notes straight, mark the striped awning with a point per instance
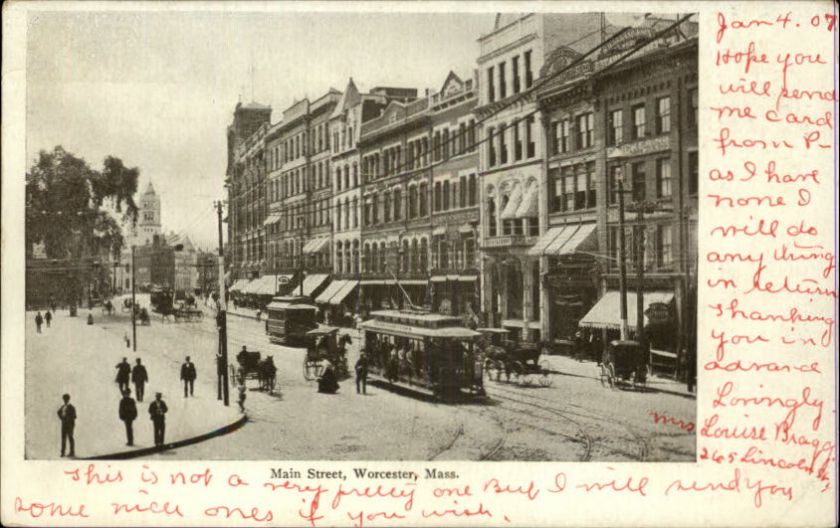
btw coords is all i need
(564, 240)
(529, 208)
(331, 289)
(315, 245)
(509, 212)
(273, 218)
(342, 294)
(239, 285)
(313, 282)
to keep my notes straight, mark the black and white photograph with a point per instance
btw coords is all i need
(296, 235)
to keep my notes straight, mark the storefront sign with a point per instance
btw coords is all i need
(658, 313)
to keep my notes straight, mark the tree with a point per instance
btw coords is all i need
(65, 211)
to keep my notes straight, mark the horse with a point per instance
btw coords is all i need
(267, 374)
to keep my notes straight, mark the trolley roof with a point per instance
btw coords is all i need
(493, 330)
(414, 324)
(417, 318)
(323, 330)
(290, 306)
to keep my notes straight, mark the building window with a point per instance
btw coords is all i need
(491, 217)
(446, 195)
(663, 178)
(612, 184)
(462, 138)
(639, 121)
(470, 135)
(639, 183)
(491, 147)
(531, 150)
(473, 190)
(561, 134)
(514, 72)
(663, 115)
(693, 173)
(502, 82)
(616, 131)
(491, 90)
(693, 105)
(386, 202)
(529, 76)
(503, 153)
(664, 245)
(438, 200)
(585, 125)
(445, 143)
(397, 204)
(517, 141)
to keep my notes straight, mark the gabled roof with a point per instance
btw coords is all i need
(349, 99)
(454, 80)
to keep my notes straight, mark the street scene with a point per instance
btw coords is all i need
(490, 256)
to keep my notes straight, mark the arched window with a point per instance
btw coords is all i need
(355, 212)
(382, 254)
(338, 257)
(374, 257)
(423, 199)
(338, 178)
(406, 256)
(412, 201)
(366, 259)
(346, 177)
(346, 213)
(347, 262)
(355, 174)
(414, 255)
(355, 262)
(438, 202)
(424, 255)
(491, 216)
(472, 191)
(386, 206)
(446, 201)
(338, 216)
(397, 203)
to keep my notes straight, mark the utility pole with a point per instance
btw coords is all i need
(622, 264)
(133, 302)
(222, 357)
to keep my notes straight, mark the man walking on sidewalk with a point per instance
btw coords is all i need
(188, 375)
(139, 377)
(123, 374)
(128, 412)
(48, 318)
(38, 321)
(67, 415)
(361, 374)
(157, 412)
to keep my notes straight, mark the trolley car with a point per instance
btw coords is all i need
(289, 319)
(423, 352)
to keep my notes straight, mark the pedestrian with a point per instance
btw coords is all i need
(48, 318)
(38, 321)
(139, 377)
(123, 374)
(128, 413)
(90, 319)
(242, 396)
(188, 375)
(52, 304)
(361, 374)
(157, 413)
(67, 415)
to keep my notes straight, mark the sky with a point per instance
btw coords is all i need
(158, 89)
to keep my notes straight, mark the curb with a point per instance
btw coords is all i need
(125, 455)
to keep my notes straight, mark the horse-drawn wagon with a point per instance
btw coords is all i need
(518, 360)
(250, 365)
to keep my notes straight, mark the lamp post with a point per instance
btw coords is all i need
(477, 263)
(133, 302)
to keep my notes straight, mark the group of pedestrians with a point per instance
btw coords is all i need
(41, 319)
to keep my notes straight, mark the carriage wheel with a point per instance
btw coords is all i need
(517, 371)
(608, 375)
(545, 373)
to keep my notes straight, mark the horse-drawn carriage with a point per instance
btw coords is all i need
(518, 360)
(325, 345)
(250, 365)
(623, 362)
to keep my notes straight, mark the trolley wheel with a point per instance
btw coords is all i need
(545, 373)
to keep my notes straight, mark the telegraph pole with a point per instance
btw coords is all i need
(221, 321)
(133, 302)
(622, 264)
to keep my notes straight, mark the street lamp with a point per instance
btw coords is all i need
(477, 262)
(622, 258)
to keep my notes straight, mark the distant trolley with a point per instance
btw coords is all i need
(424, 352)
(289, 319)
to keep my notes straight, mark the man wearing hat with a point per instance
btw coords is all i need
(157, 412)
(128, 412)
(67, 415)
(188, 376)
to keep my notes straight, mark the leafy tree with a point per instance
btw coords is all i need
(67, 209)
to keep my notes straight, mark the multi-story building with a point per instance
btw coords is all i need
(142, 233)
(634, 119)
(185, 262)
(246, 182)
(352, 110)
(511, 159)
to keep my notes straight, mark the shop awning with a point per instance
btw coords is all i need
(313, 282)
(564, 240)
(607, 311)
(265, 285)
(509, 212)
(342, 294)
(529, 207)
(331, 289)
(272, 219)
(239, 285)
(315, 245)
(439, 230)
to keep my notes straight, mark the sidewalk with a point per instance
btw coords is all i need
(72, 357)
(565, 365)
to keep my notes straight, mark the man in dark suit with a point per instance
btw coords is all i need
(139, 377)
(157, 412)
(188, 376)
(128, 412)
(67, 415)
(123, 374)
